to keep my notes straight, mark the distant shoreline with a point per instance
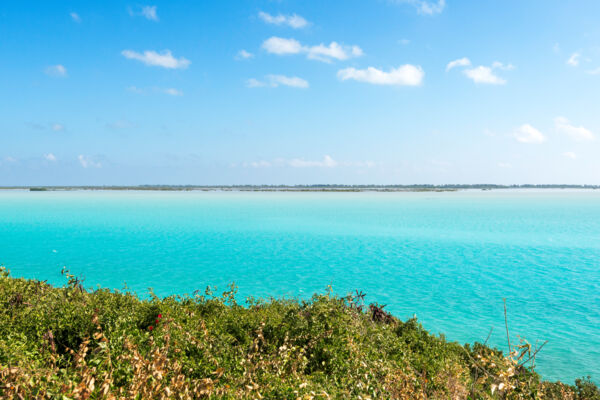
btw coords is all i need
(299, 188)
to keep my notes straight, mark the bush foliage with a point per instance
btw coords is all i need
(69, 343)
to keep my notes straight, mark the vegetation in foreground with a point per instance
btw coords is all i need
(68, 343)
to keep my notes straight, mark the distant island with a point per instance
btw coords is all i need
(307, 188)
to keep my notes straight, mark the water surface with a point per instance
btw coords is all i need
(450, 258)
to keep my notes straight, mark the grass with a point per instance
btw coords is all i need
(69, 343)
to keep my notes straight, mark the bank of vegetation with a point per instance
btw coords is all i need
(306, 188)
(72, 343)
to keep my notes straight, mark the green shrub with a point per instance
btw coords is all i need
(66, 342)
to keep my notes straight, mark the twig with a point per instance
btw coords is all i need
(488, 336)
(506, 324)
(479, 366)
(533, 355)
(533, 361)
(476, 369)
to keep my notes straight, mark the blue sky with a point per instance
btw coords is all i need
(299, 92)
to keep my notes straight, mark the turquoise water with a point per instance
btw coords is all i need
(448, 257)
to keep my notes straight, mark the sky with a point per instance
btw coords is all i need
(299, 92)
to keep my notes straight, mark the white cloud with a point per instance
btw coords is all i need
(254, 83)
(505, 67)
(363, 164)
(334, 50)
(169, 91)
(570, 154)
(121, 124)
(594, 71)
(278, 80)
(327, 162)
(404, 75)
(243, 55)
(504, 165)
(556, 48)
(164, 59)
(134, 89)
(404, 41)
(295, 21)
(426, 7)
(461, 62)
(293, 81)
(75, 17)
(574, 59)
(88, 162)
(149, 12)
(528, 134)
(173, 92)
(321, 52)
(277, 45)
(483, 74)
(58, 127)
(50, 157)
(578, 133)
(258, 164)
(56, 70)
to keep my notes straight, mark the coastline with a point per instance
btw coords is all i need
(304, 188)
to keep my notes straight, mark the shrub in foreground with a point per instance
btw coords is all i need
(68, 343)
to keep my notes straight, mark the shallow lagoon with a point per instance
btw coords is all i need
(447, 257)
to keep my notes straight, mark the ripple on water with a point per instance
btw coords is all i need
(450, 258)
